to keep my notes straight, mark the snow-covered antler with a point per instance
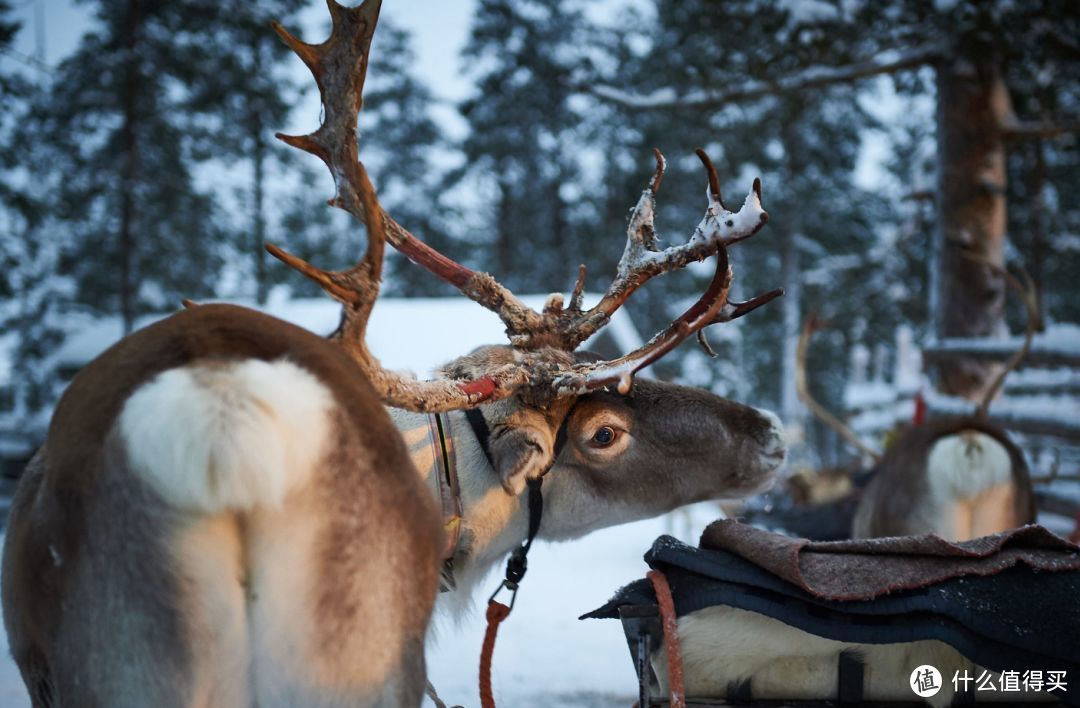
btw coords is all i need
(339, 66)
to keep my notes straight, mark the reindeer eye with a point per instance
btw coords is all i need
(604, 436)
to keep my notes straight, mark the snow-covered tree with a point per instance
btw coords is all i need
(522, 153)
(983, 55)
(824, 233)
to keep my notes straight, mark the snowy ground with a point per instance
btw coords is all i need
(544, 655)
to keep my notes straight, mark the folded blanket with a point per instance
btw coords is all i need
(865, 569)
(1006, 602)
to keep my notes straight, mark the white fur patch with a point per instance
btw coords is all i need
(965, 465)
(230, 436)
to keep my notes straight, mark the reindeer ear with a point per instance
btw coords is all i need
(520, 453)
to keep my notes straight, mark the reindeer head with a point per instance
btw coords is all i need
(536, 383)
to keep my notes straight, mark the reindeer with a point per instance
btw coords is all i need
(229, 510)
(960, 477)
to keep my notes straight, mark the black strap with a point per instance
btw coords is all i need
(560, 435)
(481, 431)
(518, 563)
(442, 448)
(849, 678)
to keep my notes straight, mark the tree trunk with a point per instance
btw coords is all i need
(1037, 207)
(792, 411)
(504, 246)
(131, 158)
(258, 185)
(973, 105)
(258, 235)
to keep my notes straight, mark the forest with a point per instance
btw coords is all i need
(142, 169)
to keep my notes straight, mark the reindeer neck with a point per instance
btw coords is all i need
(493, 522)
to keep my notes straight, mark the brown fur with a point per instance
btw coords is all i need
(893, 501)
(85, 554)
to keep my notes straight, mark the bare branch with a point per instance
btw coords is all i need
(887, 62)
(1018, 131)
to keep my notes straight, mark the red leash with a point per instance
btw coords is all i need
(516, 565)
(676, 688)
(496, 613)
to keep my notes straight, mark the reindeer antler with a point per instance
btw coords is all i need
(1029, 297)
(339, 66)
(812, 325)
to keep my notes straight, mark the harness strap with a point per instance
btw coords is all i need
(449, 489)
(481, 431)
(517, 564)
(676, 688)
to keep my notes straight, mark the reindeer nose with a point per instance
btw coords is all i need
(773, 449)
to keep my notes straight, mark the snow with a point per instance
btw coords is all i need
(809, 11)
(410, 334)
(887, 61)
(12, 692)
(1059, 340)
(544, 655)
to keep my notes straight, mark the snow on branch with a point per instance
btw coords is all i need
(1059, 346)
(887, 62)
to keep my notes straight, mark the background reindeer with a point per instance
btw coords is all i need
(959, 478)
(225, 514)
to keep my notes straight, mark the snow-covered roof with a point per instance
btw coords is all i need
(412, 334)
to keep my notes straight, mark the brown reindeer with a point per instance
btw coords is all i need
(959, 478)
(225, 514)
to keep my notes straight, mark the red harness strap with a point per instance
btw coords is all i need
(676, 689)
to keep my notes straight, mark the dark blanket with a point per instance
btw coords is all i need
(1018, 618)
(865, 569)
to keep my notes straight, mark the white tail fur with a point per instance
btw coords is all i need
(227, 436)
(967, 464)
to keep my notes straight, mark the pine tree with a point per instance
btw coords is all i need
(522, 153)
(31, 296)
(982, 54)
(117, 157)
(822, 230)
(399, 143)
(245, 92)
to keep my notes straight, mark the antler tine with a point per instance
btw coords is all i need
(339, 66)
(579, 289)
(811, 325)
(658, 175)
(620, 372)
(641, 260)
(714, 179)
(734, 310)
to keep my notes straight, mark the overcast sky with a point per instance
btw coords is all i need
(440, 29)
